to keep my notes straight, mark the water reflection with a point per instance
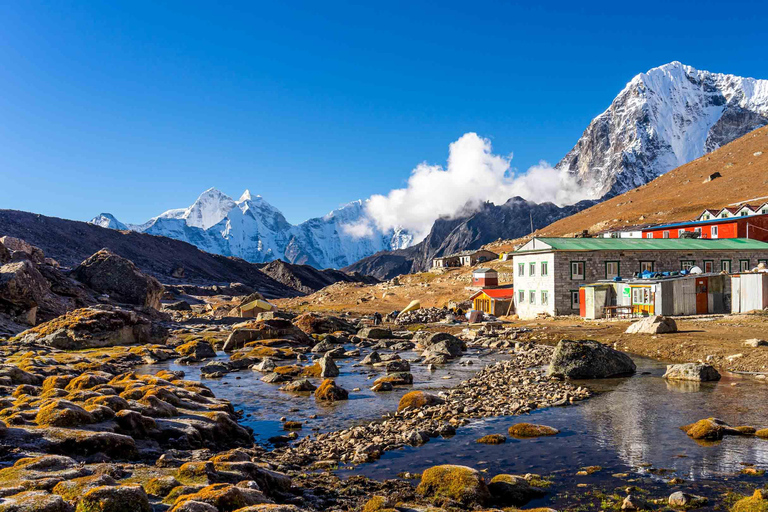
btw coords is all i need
(632, 425)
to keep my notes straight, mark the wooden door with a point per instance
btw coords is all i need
(702, 306)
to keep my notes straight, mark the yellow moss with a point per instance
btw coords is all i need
(290, 370)
(161, 486)
(523, 430)
(60, 413)
(312, 371)
(763, 433)
(377, 504)
(66, 321)
(225, 497)
(706, 429)
(455, 483)
(492, 439)
(72, 489)
(292, 425)
(195, 472)
(747, 431)
(754, 503)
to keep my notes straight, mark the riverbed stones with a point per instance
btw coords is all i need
(588, 359)
(653, 325)
(34, 501)
(396, 379)
(635, 502)
(492, 439)
(328, 391)
(446, 483)
(371, 359)
(299, 386)
(328, 367)
(526, 430)
(417, 400)
(197, 349)
(698, 372)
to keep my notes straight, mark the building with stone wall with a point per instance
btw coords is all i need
(550, 271)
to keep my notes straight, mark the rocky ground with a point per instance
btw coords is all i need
(82, 431)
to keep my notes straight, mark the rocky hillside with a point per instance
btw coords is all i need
(307, 279)
(171, 261)
(254, 230)
(661, 120)
(473, 230)
(681, 194)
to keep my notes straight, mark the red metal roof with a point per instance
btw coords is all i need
(497, 293)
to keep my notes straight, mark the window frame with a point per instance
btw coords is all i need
(714, 232)
(532, 297)
(577, 303)
(704, 266)
(521, 269)
(683, 262)
(649, 235)
(652, 262)
(583, 270)
(665, 234)
(545, 297)
(722, 266)
(521, 297)
(741, 262)
(618, 268)
(544, 269)
(532, 269)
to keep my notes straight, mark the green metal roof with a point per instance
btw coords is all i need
(649, 244)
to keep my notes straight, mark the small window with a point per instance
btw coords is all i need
(697, 230)
(725, 265)
(649, 235)
(709, 266)
(764, 211)
(544, 297)
(744, 213)
(577, 270)
(724, 215)
(646, 266)
(680, 232)
(521, 296)
(521, 269)
(687, 264)
(532, 297)
(744, 265)
(666, 234)
(532, 269)
(714, 231)
(574, 299)
(706, 216)
(611, 269)
(544, 268)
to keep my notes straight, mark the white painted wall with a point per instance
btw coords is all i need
(527, 283)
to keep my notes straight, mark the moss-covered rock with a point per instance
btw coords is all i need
(330, 392)
(454, 483)
(62, 413)
(709, 429)
(197, 349)
(225, 497)
(513, 490)
(34, 501)
(525, 430)
(754, 503)
(161, 486)
(71, 490)
(417, 400)
(378, 504)
(396, 379)
(124, 498)
(492, 439)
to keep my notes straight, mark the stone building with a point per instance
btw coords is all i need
(550, 271)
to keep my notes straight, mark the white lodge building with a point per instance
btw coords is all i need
(550, 271)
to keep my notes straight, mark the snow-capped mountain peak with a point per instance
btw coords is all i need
(107, 220)
(662, 119)
(253, 229)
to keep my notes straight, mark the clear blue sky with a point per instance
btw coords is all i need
(136, 107)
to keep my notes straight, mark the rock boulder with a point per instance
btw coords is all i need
(106, 272)
(652, 325)
(698, 372)
(587, 359)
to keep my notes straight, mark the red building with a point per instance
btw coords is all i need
(751, 226)
(485, 277)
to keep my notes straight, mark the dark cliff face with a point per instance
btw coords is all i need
(307, 279)
(471, 231)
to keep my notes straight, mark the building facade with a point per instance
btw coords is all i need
(495, 301)
(485, 277)
(550, 271)
(743, 226)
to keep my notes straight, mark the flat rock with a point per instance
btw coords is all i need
(588, 359)
(698, 372)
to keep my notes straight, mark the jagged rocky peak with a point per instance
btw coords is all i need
(209, 209)
(663, 119)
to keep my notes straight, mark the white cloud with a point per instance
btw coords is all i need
(359, 229)
(472, 176)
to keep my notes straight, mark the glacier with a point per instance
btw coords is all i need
(252, 229)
